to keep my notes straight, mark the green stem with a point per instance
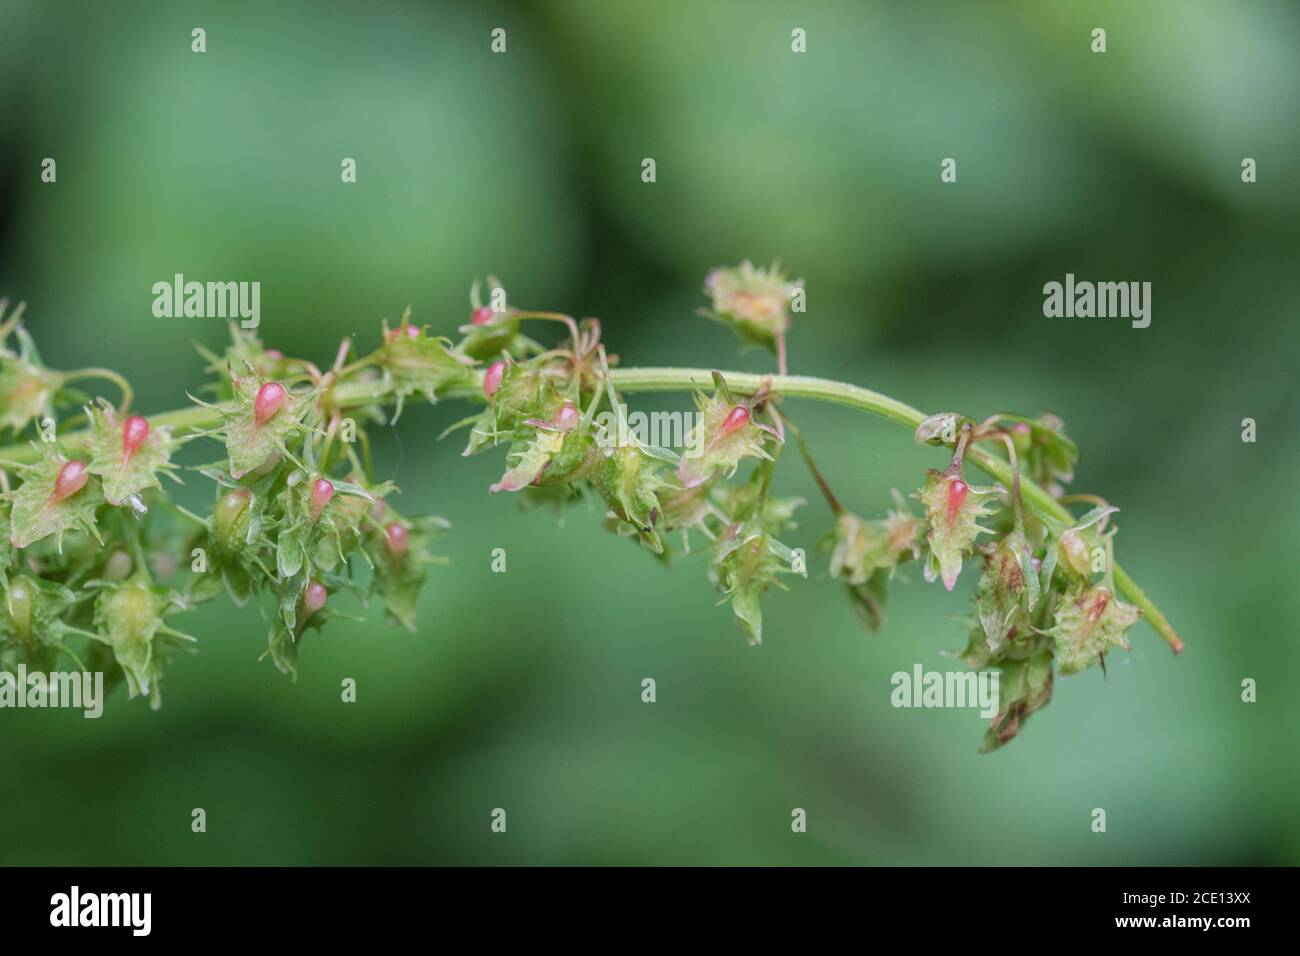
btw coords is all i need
(1050, 511)
(1044, 506)
(108, 375)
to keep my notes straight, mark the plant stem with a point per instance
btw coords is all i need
(108, 375)
(1044, 506)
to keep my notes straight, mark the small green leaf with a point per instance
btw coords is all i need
(745, 567)
(36, 515)
(1009, 585)
(1025, 686)
(129, 619)
(31, 621)
(27, 388)
(250, 443)
(124, 475)
(630, 482)
(423, 363)
(726, 433)
(400, 563)
(527, 459)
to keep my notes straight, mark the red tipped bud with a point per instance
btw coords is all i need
(313, 599)
(395, 537)
(321, 493)
(134, 431)
(481, 316)
(736, 418)
(72, 478)
(492, 378)
(270, 397)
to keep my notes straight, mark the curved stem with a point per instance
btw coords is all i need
(556, 317)
(107, 374)
(1046, 508)
(1014, 459)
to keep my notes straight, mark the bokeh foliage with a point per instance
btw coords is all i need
(521, 690)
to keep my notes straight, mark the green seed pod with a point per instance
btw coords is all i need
(20, 603)
(231, 518)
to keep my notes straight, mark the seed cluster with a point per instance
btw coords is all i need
(94, 550)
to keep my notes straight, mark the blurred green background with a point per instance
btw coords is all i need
(522, 690)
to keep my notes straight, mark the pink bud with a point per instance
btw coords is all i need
(378, 509)
(134, 431)
(322, 490)
(396, 538)
(412, 331)
(736, 418)
(492, 378)
(957, 490)
(269, 399)
(566, 417)
(72, 478)
(275, 354)
(481, 316)
(313, 599)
